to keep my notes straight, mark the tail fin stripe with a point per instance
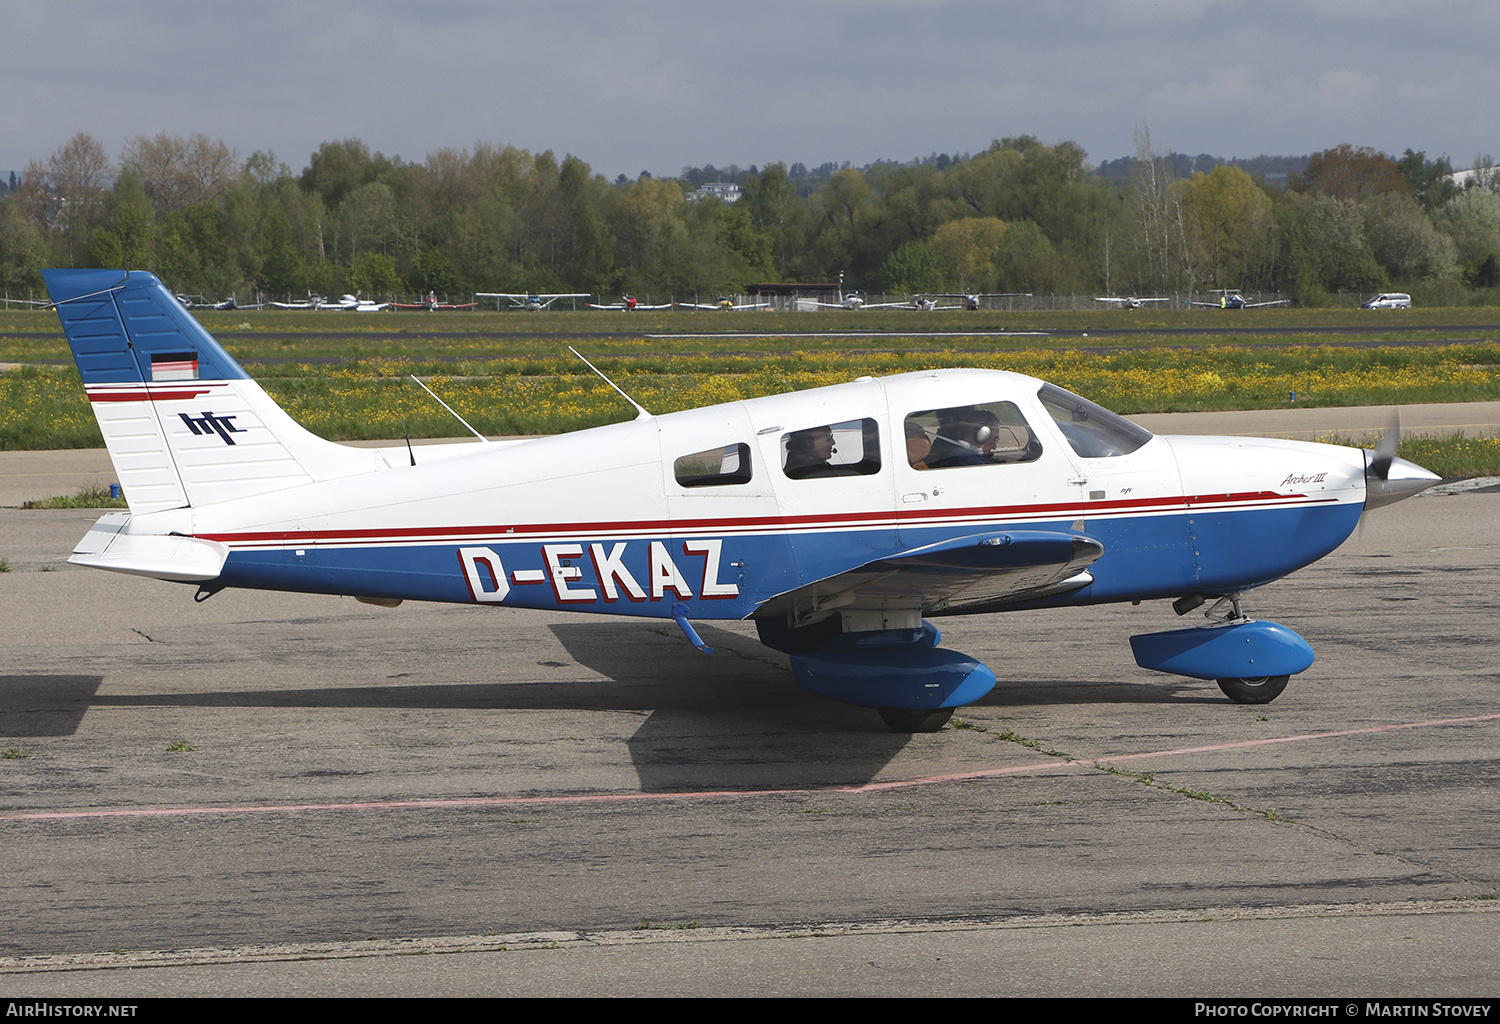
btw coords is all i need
(156, 393)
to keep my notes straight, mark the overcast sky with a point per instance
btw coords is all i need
(661, 84)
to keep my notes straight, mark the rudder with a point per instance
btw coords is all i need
(183, 422)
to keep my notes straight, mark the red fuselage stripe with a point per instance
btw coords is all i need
(799, 523)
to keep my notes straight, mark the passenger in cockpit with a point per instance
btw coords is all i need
(918, 444)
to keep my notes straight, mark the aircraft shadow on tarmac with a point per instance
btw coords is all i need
(746, 685)
(32, 706)
(732, 720)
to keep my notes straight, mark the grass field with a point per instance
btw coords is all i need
(345, 376)
(27, 335)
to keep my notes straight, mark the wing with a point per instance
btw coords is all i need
(1117, 302)
(980, 572)
(1278, 302)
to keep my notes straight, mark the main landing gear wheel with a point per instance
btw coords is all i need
(907, 720)
(1259, 690)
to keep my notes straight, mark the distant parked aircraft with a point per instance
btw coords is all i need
(726, 304)
(431, 304)
(531, 300)
(1131, 302)
(1230, 298)
(355, 303)
(971, 300)
(311, 302)
(627, 303)
(851, 301)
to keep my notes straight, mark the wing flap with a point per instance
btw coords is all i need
(964, 574)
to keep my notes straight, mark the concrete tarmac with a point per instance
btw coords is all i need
(286, 794)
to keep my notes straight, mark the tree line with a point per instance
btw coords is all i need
(1020, 216)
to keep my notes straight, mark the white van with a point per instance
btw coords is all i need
(1389, 300)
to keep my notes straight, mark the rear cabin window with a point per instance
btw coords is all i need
(1092, 430)
(850, 448)
(714, 467)
(991, 434)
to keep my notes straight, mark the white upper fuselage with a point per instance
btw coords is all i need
(572, 519)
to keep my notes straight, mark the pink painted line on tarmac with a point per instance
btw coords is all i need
(721, 794)
(986, 773)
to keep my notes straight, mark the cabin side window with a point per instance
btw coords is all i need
(850, 448)
(1092, 430)
(714, 467)
(991, 434)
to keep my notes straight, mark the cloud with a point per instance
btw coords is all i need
(658, 84)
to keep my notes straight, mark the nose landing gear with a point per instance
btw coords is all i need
(1249, 659)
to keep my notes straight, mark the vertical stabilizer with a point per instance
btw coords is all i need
(183, 422)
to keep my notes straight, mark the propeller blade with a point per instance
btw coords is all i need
(1385, 451)
(1389, 479)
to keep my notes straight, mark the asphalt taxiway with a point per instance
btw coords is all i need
(285, 794)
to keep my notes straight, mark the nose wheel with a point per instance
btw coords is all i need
(1256, 690)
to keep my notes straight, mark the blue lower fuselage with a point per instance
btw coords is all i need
(728, 575)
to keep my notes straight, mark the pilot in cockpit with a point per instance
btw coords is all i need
(966, 436)
(808, 452)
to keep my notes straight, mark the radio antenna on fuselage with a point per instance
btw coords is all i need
(445, 405)
(641, 413)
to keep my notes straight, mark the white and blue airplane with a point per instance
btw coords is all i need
(1131, 301)
(531, 301)
(840, 519)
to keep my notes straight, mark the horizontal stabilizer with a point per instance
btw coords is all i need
(108, 545)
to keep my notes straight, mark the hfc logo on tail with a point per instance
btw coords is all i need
(208, 423)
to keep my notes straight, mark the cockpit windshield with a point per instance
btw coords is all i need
(1092, 430)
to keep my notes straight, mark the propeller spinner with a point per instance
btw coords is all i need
(1389, 479)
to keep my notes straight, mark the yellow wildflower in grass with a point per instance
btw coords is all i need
(550, 392)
